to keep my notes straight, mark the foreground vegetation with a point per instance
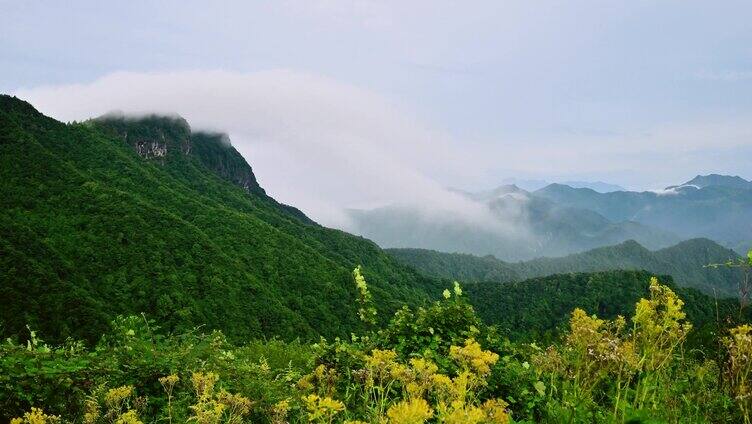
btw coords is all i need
(434, 364)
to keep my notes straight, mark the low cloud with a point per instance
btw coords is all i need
(313, 142)
(326, 146)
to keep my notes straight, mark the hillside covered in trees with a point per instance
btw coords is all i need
(124, 216)
(686, 262)
(538, 308)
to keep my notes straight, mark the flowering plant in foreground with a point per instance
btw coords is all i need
(434, 364)
(739, 344)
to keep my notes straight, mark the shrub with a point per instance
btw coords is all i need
(438, 363)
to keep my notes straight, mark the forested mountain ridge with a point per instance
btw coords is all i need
(702, 181)
(685, 262)
(558, 219)
(543, 227)
(95, 224)
(718, 207)
(538, 308)
(154, 137)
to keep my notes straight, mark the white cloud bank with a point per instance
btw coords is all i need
(313, 142)
(323, 145)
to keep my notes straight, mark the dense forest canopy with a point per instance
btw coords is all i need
(120, 216)
(538, 308)
(687, 262)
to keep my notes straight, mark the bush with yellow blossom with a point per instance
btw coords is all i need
(739, 368)
(35, 416)
(435, 364)
(603, 365)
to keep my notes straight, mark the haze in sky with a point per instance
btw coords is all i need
(341, 104)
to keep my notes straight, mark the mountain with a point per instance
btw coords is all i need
(532, 185)
(559, 219)
(715, 207)
(537, 309)
(406, 226)
(456, 266)
(598, 186)
(506, 190)
(702, 181)
(685, 262)
(520, 225)
(122, 215)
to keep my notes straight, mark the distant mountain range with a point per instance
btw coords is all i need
(559, 219)
(532, 185)
(702, 181)
(685, 262)
(718, 207)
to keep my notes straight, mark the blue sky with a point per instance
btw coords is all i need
(639, 93)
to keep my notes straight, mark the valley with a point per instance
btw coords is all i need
(138, 253)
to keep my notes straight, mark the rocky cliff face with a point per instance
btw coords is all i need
(156, 138)
(163, 139)
(151, 136)
(215, 152)
(150, 149)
